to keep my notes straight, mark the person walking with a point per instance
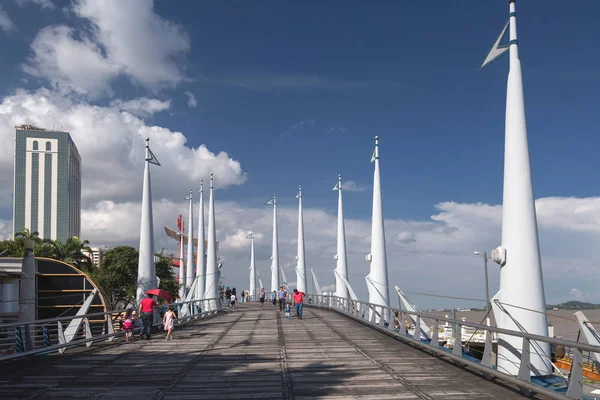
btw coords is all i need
(281, 295)
(298, 299)
(168, 322)
(261, 296)
(228, 296)
(242, 296)
(274, 297)
(233, 297)
(146, 310)
(128, 325)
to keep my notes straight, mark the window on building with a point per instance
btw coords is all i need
(35, 144)
(48, 146)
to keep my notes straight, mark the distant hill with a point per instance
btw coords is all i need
(574, 305)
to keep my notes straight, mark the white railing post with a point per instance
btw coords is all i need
(457, 349)
(88, 331)
(435, 337)
(525, 367)
(575, 389)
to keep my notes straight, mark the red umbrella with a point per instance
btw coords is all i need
(160, 293)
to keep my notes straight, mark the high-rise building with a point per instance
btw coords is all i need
(97, 255)
(47, 183)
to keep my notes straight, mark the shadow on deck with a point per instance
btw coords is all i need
(251, 353)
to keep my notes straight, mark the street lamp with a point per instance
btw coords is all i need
(487, 290)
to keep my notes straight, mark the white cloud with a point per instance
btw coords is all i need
(111, 144)
(70, 64)
(575, 293)
(298, 126)
(125, 38)
(433, 256)
(6, 23)
(44, 4)
(143, 106)
(192, 102)
(353, 186)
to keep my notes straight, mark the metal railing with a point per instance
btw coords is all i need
(371, 314)
(23, 339)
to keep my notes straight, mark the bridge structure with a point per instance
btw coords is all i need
(344, 347)
(338, 350)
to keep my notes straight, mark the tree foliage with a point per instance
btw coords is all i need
(117, 275)
(72, 251)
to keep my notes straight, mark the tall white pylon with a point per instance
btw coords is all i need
(146, 268)
(341, 266)
(377, 280)
(189, 279)
(182, 291)
(520, 303)
(252, 267)
(200, 267)
(212, 290)
(301, 261)
(275, 254)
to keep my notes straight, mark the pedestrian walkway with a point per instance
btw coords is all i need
(250, 353)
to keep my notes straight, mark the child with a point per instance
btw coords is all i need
(288, 310)
(232, 300)
(168, 320)
(128, 324)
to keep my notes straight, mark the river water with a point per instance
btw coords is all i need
(564, 322)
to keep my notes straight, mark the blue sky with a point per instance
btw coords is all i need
(296, 92)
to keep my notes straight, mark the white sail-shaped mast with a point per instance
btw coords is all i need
(189, 268)
(300, 257)
(520, 303)
(146, 279)
(200, 266)
(275, 250)
(182, 276)
(377, 280)
(252, 265)
(212, 289)
(341, 266)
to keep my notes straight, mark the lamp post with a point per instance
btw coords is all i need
(487, 289)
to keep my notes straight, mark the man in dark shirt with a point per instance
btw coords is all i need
(228, 296)
(146, 310)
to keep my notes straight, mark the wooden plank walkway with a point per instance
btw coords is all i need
(250, 353)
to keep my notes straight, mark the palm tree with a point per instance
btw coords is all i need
(26, 234)
(72, 251)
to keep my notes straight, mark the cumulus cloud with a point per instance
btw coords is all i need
(143, 106)
(353, 186)
(111, 144)
(575, 293)
(192, 102)
(6, 23)
(432, 256)
(124, 38)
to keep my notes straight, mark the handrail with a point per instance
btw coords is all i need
(108, 331)
(557, 341)
(371, 315)
(98, 314)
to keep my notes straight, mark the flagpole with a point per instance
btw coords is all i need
(520, 303)
(341, 268)
(200, 266)
(301, 263)
(146, 279)
(377, 280)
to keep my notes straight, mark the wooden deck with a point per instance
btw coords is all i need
(250, 353)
